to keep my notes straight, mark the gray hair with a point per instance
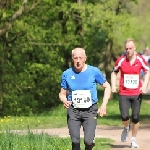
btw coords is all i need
(81, 49)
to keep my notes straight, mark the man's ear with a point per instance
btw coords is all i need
(134, 48)
(85, 58)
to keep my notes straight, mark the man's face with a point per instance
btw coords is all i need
(79, 59)
(130, 48)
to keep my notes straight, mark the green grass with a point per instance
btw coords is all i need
(30, 141)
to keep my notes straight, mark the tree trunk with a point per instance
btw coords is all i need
(79, 2)
(108, 60)
(2, 58)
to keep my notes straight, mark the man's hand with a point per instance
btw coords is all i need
(67, 104)
(63, 98)
(114, 89)
(143, 90)
(102, 110)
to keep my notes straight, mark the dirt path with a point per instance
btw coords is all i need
(112, 132)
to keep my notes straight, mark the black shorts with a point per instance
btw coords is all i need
(127, 102)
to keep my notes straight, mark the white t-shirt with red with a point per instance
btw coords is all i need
(130, 82)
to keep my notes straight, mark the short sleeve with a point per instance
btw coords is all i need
(64, 84)
(99, 77)
(144, 65)
(117, 66)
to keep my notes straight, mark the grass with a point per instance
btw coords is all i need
(10, 141)
(56, 118)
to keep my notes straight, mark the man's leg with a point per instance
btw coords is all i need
(135, 128)
(124, 105)
(74, 124)
(89, 126)
(126, 123)
(136, 104)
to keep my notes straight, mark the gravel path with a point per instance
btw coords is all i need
(112, 132)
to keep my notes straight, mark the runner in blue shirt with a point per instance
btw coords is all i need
(79, 96)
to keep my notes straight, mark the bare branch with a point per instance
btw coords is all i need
(17, 86)
(34, 5)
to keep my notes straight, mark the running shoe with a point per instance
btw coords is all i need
(124, 134)
(134, 144)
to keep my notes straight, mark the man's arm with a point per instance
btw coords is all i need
(63, 98)
(107, 93)
(145, 83)
(113, 81)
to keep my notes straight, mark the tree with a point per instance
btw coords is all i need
(30, 64)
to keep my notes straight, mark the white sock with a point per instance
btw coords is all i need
(127, 128)
(133, 138)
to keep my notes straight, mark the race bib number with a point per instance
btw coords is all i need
(81, 98)
(131, 81)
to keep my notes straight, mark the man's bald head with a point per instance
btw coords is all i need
(78, 50)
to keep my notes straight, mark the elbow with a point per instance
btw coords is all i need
(60, 95)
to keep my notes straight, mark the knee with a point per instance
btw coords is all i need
(75, 136)
(88, 141)
(135, 120)
(75, 140)
(125, 118)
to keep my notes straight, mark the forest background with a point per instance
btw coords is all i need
(37, 36)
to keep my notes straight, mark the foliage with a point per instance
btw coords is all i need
(31, 65)
(36, 39)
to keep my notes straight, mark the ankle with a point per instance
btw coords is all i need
(133, 139)
(127, 127)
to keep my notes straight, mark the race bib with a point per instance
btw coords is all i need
(81, 98)
(131, 81)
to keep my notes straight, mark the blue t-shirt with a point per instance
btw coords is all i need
(86, 80)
